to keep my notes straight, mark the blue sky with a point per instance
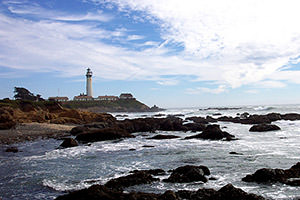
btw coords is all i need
(171, 53)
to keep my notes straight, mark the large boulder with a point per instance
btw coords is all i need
(188, 173)
(213, 132)
(264, 128)
(137, 178)
(103, 134)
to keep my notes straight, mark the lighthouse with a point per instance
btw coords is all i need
(89, 75)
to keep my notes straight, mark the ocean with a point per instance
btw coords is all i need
(41, 171)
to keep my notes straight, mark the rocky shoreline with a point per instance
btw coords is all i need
(82, 127)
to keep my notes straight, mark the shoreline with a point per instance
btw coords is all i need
(24, 132)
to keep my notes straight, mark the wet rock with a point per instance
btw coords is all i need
(288, 176)
(78, 129)
(159, 115)
(163, 137)
(266, 175)
(137, 178)
(194, 127)
(97, 192)
(148, 146)
(12, 149)
(264, 128)
(103, 134)
(244, 115)
(216, 114)
(155, 172)
(213, 132)
(69, 142)
(291, 116)
(235, 153)
(188, 173)
(200, 120)
(228, 192)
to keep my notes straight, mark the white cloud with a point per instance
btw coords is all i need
(244, 40)
(135, 37)
(199, 90)
(231, 43)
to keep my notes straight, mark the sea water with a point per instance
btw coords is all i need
(41, 171)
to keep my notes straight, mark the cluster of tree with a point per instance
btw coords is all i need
(24, 94)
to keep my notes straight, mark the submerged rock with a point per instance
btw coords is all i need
(188, 173)
(163, 137)
(264, 128)
(139, 177)
(69, 142)
(12, 149)
(213, 132)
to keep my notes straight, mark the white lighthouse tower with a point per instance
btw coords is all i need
(89, 75)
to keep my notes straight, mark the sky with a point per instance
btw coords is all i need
(171, 53)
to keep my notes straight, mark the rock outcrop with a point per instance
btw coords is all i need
(96, 192)
(188, 174)
(264, 128)
(12, 112)
(289, 176)
(213, 132)
(103, 134)
(137, 178)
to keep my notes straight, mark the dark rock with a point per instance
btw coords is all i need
(216, 114)
(169, 195)
(194, 127)
(188, 173)
(212, 178)
(163, 137)
(132, 149)
(69, 142)
(155, 172)
(137, 178)
(213, 132)
(12, 149)
(266, 175)
(148, 146)
(288, 176)
(97, 192)
(228, 192)
(264, 127)
(291, 116)
(235, 153)
(78, 129)
(244, 115)
(103, 134)
(199, 120)
(159, 115)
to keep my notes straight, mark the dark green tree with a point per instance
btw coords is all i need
(24, 94)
